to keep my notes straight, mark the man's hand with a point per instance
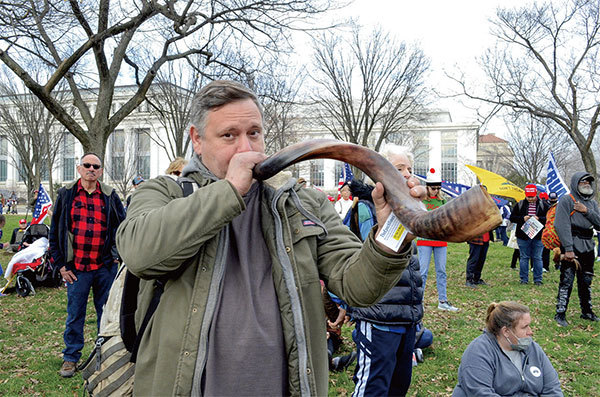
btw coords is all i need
(383, 209)
(580, 207)
(339, 320)
(68, 275)
(239, 171)
(570, 256)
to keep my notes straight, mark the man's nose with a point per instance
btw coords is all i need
(244, 144)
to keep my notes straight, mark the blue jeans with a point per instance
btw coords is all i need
(530, 249)
(439, 258)
(476, 260)
(384, 361)
(501, 234)
(99, 281)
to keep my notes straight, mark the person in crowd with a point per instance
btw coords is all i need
(361, 217)
(504, 360)
(385, 332)
(437, 248)
(345, 202)
(176, 166)
(82, 244)
(576, 217)
(423, 339)
(478, 248)
(135, 182)
(17, 237)
(244, 259)
(501, 230)
(335, 317)
(529, 247)
(34, 196)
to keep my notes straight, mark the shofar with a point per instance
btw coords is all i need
(469, 215)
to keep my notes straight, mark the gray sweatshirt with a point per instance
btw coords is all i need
(567, 225)
(485, 370)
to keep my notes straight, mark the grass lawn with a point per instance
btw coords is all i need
(31, 332)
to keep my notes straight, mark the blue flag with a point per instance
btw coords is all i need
(554, 181)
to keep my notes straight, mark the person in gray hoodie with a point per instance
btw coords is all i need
(577, 215)
(504, 360)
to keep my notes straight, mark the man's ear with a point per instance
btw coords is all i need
(196, 140)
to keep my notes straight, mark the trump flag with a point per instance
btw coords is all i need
(42, 205)
(554, 181)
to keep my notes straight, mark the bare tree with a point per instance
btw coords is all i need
(86, 44)
(545, 64)
(123, 166)
(32, 131)
(170, 99)
(277, 86)
(531, 141)
(367, 86)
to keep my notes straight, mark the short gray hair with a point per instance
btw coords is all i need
(214, 95)
(397, 150)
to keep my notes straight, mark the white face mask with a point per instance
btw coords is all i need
(522, 343)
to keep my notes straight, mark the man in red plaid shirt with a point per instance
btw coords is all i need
(82, 243)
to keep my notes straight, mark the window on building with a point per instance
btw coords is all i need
(3, 158)
(317, 177)
(22, 172)
(69, 160)
(44, 174)
(421, 154)
(449, 156)
(338, 170)
(142, 159)
(117, 158)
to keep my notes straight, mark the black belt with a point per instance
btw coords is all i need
(585, 234)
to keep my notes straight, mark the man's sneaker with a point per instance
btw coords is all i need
(539, 283)
(561, 320)
(544, 270)
(524, 282)
(447, 306)
(418, 355)
(343, 362)
(480, 282)
(590, 317)
(68, 369)
(470, 284)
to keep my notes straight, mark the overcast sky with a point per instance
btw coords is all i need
(450, 32)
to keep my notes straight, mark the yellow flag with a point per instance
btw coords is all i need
(498, 185)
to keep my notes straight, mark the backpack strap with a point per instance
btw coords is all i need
(129, 302)
(188, 185)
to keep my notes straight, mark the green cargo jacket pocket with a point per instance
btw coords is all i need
(305, 239)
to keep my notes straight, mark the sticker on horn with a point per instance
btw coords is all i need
(393, 233)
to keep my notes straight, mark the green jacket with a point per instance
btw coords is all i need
(163, 229)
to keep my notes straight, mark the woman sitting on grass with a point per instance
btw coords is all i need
(505, 360)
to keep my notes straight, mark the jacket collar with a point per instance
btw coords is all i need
(104, 188)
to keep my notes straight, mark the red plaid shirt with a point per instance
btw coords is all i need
(88, 225)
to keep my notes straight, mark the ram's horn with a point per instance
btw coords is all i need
(467, 216)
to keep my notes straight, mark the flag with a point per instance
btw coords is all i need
(42, 205)
(345, 176)
(456, 189)
(554, 181)
(497, 184)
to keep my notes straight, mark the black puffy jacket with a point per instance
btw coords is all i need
(402, 305)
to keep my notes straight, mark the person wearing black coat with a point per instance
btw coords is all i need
(385, 332)
(531, 207)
